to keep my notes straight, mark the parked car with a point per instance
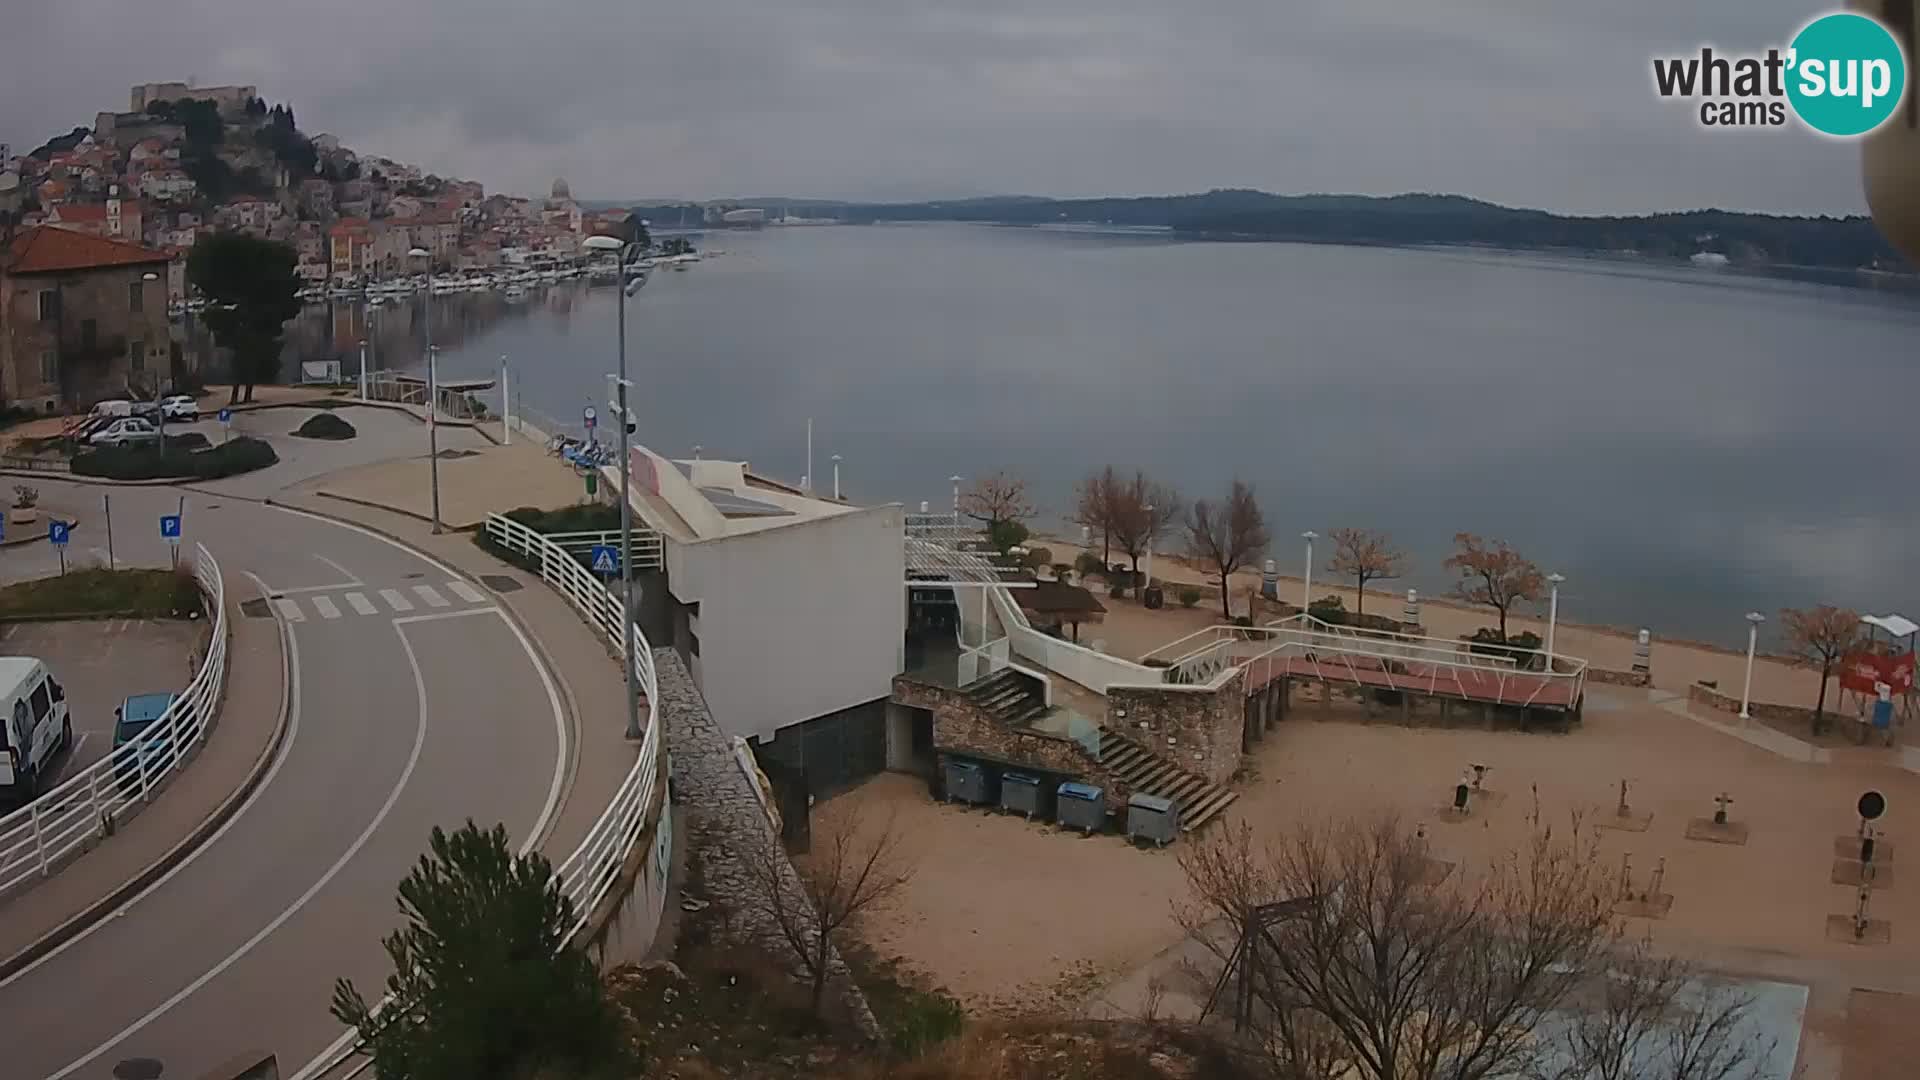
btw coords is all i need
(126, 431)
(146, 410)
(131, 721)
(34, 726)
(180, 407)
(112, 407)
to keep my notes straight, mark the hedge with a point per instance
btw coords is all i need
(148, 463)
(325, 426)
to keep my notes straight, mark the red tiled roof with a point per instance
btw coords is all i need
(47, 249)
(93, 211)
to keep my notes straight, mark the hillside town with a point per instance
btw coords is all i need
(95, 220)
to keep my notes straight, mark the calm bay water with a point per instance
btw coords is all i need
(1683, 445)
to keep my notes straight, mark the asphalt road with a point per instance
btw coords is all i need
(415, 703)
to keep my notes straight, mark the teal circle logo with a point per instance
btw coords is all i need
(1846, 74)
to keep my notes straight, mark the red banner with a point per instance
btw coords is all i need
(1862, 671)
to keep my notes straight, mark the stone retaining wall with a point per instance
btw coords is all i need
(726, 825)
(1759, 710)
(962, 727)
(1202, 731)
(1619, 678)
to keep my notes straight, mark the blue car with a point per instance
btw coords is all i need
(134, 716)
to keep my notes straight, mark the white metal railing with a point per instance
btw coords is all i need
(588, 874)
(88, 805)
(1094, 670)
(648, 552)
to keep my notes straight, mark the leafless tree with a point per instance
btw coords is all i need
(1365, 555)
(1387, 971)
(853, 865)
(1822, 636)
(997, 499)
(1493, 574)
(1094, 504)
(1227, 535)
(1143, 511)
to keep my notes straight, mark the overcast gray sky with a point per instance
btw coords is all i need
(1544, 103)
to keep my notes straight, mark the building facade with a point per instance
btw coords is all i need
(82, 318)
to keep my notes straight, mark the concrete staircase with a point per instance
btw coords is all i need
(1009, 697)
(1148, 773)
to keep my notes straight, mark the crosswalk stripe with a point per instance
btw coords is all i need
(396, 601)
(466, 592)
(360, 604)
(430, 595)
(289, 610)
(325, 607)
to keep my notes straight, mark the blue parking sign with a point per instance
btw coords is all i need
(606, 559)
(57, 532)
(170, 527)
(226, 416)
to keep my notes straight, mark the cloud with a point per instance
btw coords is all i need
(1541, 104)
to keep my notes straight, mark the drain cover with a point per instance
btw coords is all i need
(500, 582)
(448, 455)
(254, 609)
(410, 577)
(138, 1069)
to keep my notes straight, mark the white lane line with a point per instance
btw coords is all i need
(290, 610)
(291, 703)
(331, 1057)
(344, 572)
(438, 615)
(321, 588)
(406, 774)
(396, 601)
(430, 595)
(360, 604)
(325, 606)
(466, 592)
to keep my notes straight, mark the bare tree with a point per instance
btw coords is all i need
(1143, 511)
(1493, 574)
(1227, 535)
(1822, 636)
(997, 499)
(1365, 555)
(1653, 1017)
(805, 903)
(1094, 501)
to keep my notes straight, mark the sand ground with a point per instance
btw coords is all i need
(1013, 916)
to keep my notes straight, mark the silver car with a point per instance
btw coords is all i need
(126, 431)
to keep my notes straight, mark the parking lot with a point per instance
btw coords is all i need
(101, 663)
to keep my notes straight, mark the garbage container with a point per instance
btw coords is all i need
(1150, 817)
(969, 783)
(1082, 806)
(1022, 794)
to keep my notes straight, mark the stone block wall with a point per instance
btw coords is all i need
(1620, 678)
(1759, 710)
(961, 727)
(1201, 731)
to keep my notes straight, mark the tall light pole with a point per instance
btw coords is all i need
(621, 251)
(836, 478)
(1553, 615)
(1147, 512)
(1306, 583)
(955, 479)
(160, 417)
(433, 392)
(1754, 619)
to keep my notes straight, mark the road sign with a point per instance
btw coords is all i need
(588, 418)
(57, 532)
(170, 528)
(606, 559)
(226, 416)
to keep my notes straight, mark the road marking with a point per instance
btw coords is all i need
(430, 595)
(396, 601)
(360, 604)
(320, 588)
(406, 774)
(325, 606)
(344, 572)
(438, 615)
(290, 610)
(291, 703)
(466, 592)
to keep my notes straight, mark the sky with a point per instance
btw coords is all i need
(1539, 103)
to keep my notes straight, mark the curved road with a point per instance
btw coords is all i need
(414, 702)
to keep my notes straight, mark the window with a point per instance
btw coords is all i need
(59, 692)
(137, 355)
(136, 296)
(49, 366)
(42, 702)
(49, 305)
(89, 334)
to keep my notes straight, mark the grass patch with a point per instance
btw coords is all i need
(146, 594)
(915, 1017)
(149, 463)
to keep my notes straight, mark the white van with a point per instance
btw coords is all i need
(34, 725)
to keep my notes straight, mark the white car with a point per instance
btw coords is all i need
(180, 407)
(115, 407)
(126, 431)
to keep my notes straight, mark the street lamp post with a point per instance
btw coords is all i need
(433, 393)
(1553, 615)
(160, 417)
(620, 251)
(1754, 619)
(1306, 583)
(956, 498)
(1147, 560)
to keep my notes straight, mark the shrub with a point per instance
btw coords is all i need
(1329, 609)
(1189, 596)
(1006, 535)
(1487, 642)
(1063, 572)
(1038, 557)
(25, 496)
(240, 455)
(325, 425)
(1117, 591)
(1087, 565)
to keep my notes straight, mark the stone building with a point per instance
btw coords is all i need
(82, 318)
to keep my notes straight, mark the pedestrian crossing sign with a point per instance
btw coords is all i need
(605, 559)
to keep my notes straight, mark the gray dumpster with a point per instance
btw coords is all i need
(969, 783)
(1022, 794)
(1150, 817)
(1082, 806)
